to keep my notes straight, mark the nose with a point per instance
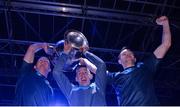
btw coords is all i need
(82, 75)
(127, 55)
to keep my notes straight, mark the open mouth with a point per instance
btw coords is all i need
(83, 79)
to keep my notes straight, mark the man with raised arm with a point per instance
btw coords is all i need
(33, 88)
(134, 86)
(85, 93)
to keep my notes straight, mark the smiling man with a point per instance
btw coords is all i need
(85, 93)
(134, 85)
(33, 88)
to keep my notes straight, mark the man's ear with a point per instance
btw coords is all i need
(119, 61)
(134, 60)
(76, 79)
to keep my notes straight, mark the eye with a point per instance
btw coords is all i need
(123, 54)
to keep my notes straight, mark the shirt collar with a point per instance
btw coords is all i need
(39, 74)
(128, 70)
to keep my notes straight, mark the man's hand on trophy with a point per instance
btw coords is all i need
(84, 48)
(67, 47)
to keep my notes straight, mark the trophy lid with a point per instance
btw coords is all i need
(76, 38)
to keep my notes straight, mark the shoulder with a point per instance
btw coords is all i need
(151, 56)
(25, 63)
(139, 64)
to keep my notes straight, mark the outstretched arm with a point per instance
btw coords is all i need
(166, 37)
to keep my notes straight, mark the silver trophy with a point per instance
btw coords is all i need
(77, 40)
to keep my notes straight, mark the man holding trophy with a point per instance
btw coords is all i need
(76, 57)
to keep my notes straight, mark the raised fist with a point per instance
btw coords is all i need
(163, 20)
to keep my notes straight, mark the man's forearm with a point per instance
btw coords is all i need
(166, 39)
(93, 58)
(29, 56)
(90, 66)
(100, 77)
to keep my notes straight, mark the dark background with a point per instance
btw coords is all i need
(108, 25)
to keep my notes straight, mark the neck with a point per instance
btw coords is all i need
(84, 85)
(128, 65)
(43, 72)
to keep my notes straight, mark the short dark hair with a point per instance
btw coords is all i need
(124, 47)
(36, 59)
(78, 67)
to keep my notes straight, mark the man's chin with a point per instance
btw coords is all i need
(84, 83)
